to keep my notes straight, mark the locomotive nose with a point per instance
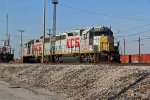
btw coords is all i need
(103, 44)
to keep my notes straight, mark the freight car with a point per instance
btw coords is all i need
(91, 45)
(5, 54)
(134, 58)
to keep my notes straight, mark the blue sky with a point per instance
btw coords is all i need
(122, 15)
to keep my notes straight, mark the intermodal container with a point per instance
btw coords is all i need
(145, 58)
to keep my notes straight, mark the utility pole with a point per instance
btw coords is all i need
(7, 34)
(43, 40)
(50, 43)
(139, 49)
(124, 47)
(21, 31)
(49, 34)
(55, 2)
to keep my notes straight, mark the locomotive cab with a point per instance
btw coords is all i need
(105, 39)
(97, 40)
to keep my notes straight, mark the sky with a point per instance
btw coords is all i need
(129, 19)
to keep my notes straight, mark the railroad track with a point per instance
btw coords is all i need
(101, 63)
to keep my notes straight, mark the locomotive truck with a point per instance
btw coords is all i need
(92, 45)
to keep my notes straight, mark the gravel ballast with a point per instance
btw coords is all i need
(82, 82)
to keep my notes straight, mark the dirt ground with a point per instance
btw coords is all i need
(13, 92)
(81, 82)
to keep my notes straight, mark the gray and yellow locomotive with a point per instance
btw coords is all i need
(94, 44)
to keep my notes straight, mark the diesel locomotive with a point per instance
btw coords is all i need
(86, 45)
(5, 54)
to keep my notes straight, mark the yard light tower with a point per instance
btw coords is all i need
(55, 2)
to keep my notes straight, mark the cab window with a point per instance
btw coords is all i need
(85, 36)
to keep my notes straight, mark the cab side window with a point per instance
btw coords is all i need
(85, 36)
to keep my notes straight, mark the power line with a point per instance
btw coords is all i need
(140, 39)
(145, 39)
(133, 34)
(142, 26)
(132, 41)
(103, 14)
(139, 33)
